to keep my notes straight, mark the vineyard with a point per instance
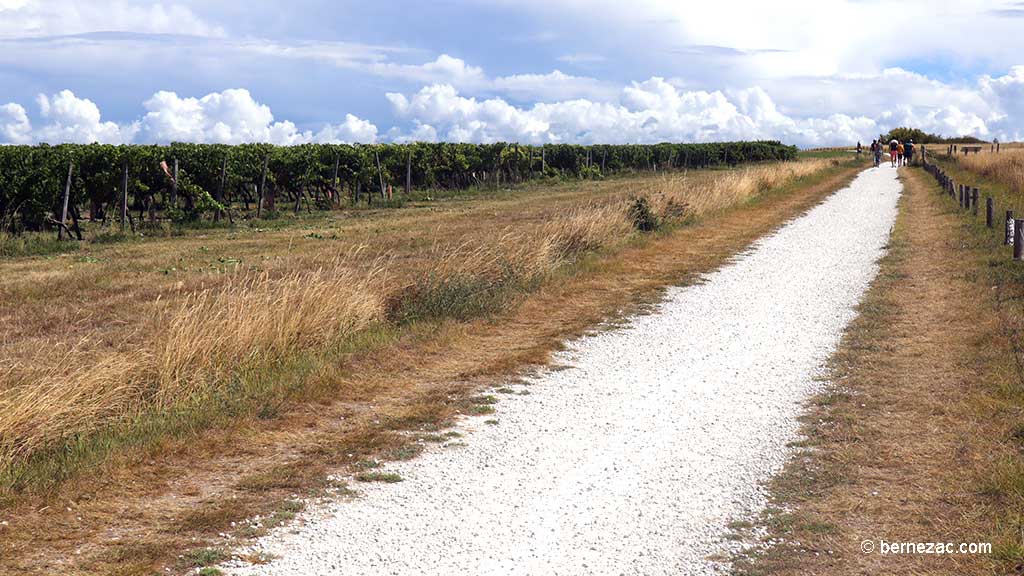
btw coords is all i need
(44, 187)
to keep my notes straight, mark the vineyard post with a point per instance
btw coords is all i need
(263, 186)
(408, 171)
(543, 161)
(380, 173)
(989, 211)
(64, 211)
(336, 196)
(220, 189)
(174, 185)
(1008, 239)
(124, 196)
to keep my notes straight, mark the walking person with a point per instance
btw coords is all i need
(876, 152)
(899, 154)
(908, 153)
(894, 147)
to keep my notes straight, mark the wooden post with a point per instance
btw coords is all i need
(1008, 240)
(265, 199)
(997, 147)
(960, 195)
(380, 174)
(124, 196)
(989, 211)
(974, 201)
(174, 185)
(64, 211)
(220, 188)
(335, 193)
(543, 161)
(1018, 239)
(408, 172)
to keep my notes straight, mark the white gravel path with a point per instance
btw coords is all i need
(635, 459)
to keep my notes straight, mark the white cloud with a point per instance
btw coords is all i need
(551, 86)
(1007, 93)
(650, 111)
(73, 119)
(228, 117)
(353, 129)
(14, 125)
(33, 18)
(233, 117)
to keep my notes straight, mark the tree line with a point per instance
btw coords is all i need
(44, 186)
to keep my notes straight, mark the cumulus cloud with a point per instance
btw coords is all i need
(73, 119)
(654, 110)
(1007, 94)
(14, 125)
(229, 117)
(649, 111)
(234, 116)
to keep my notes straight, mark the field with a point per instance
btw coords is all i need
(113, 346)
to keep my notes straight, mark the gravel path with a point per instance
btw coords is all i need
(635, 458)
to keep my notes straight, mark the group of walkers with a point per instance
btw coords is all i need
(900, 153)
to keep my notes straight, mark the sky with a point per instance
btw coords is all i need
(822, 73)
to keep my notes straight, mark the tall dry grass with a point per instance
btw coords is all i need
(196, 346)
(1007, 167)
(680, 195)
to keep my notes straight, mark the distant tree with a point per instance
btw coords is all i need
(917, 135)
(921, 137)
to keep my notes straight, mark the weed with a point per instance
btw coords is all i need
(388, 477)
(204, 557)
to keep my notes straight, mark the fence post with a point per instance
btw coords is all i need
(64, 211)
(960, 195)
(989, 211)
(1018, 239)
(1008, 240)
(974, 201)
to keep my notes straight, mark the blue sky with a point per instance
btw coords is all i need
(819, 73)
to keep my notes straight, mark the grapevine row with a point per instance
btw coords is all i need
(185, 181)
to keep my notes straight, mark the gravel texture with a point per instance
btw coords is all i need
(635, 458)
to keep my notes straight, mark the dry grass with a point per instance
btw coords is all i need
(1007, 167)
(177, 494)
(205, 338)
(676, 196)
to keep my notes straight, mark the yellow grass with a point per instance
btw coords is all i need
(1006, 167)
(195, 342)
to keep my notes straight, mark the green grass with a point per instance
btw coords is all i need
(35, 244)
(386, 477)
(203, 557)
